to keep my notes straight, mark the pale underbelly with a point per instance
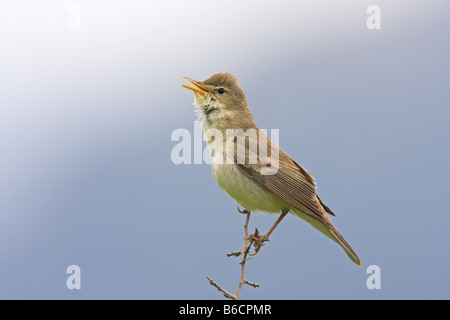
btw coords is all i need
(245, 191)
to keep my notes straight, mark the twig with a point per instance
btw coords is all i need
(254, 285)
(225, 292)
(243, 253)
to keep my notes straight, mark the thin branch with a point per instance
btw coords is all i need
(252, 284)
(236, 254)
(225, 292)
(243, 253)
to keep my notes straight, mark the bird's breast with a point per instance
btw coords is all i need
(237, 184)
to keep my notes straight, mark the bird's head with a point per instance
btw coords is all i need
(220, 100)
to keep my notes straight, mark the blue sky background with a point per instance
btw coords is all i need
(86, 176)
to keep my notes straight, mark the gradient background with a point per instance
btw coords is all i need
(86, 176)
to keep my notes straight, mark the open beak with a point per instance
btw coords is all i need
(199, 88)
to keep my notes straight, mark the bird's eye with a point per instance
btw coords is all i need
(221, 90)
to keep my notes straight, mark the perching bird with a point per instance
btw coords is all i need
(249, 167)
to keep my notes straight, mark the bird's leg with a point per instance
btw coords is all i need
(258, 240)
(283, 214)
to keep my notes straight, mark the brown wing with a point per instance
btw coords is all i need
(292, 183)
(289, 180)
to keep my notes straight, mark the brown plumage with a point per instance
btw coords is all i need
(222, 105)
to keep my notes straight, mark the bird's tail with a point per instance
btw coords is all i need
(331, 232)
(350, 252)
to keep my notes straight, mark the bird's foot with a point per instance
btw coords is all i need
(257, 241)
(242, 211)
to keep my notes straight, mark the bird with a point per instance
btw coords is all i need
(241, 166)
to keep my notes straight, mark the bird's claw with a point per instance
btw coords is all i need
(242, 211)
(257, 241)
